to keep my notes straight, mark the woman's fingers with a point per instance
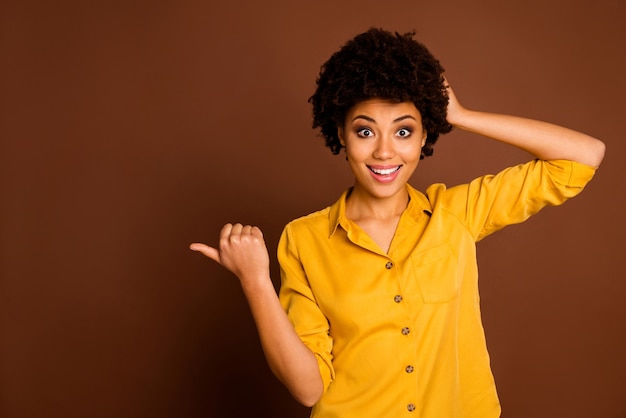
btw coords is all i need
(230, 234)
(241, 250)
(210, 252)
(226, 231)
(236, 230)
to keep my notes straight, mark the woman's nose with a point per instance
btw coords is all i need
(384, 148)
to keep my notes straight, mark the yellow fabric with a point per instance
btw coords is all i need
(350, 302)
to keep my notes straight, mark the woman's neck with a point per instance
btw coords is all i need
(362, 206)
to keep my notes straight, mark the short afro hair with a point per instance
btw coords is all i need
(380, 64)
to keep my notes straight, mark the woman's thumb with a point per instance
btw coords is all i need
(210, 252)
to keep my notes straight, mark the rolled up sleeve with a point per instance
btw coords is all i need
(491, 202)
(298, 300)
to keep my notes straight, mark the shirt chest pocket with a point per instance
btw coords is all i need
(437, 273)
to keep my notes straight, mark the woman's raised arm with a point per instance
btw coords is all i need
(544, 140)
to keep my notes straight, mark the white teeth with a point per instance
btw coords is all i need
(385, 171)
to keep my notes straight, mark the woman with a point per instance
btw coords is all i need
(378, 311)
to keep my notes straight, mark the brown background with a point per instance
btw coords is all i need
(130, 129)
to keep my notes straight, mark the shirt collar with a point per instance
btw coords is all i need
(418, 206)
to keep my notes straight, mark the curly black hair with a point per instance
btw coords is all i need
(380, 64)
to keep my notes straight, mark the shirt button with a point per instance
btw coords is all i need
(389, 265)
(409, 369)
(410, 407)
(406, 331)
(397, 298)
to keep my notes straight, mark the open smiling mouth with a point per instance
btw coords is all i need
(384, 171)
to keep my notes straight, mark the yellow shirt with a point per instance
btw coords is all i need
(400, 334)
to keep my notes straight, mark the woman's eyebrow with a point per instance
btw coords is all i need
(367, 118)
(401, 118)
(370, 119)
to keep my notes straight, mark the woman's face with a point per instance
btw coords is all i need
(383, 141)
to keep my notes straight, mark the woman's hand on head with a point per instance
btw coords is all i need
(545, 141)
(454, 110)
(241, 250)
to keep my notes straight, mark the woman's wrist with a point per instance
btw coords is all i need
(255, 283)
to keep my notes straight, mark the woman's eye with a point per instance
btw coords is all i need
(365, 133)
(404, 133)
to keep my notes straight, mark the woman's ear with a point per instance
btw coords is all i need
(340, 135)
(424, 136)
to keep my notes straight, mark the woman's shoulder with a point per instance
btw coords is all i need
(312, 221)
(312, 217)
(323, 218)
